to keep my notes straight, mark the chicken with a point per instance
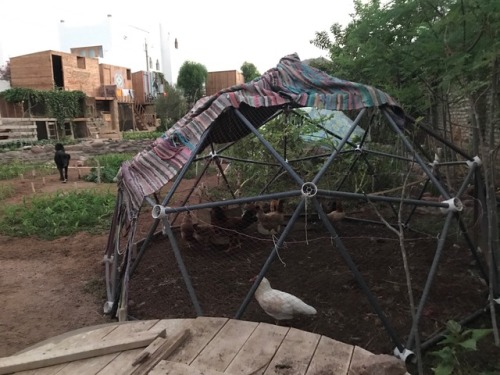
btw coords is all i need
(202, 192)
(187, 230)
(269, 223)
(207, 235)
(231, 226)
(276, 205)
(219, 218)
(338, 214)
(280, 305)
(204, 235)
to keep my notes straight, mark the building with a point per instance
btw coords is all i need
(111, 106)
(217, 81)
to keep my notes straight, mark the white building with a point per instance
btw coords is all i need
(116, 42)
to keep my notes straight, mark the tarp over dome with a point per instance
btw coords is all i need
(291, 83)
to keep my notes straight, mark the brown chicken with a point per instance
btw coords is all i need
(208, 235)
(219, 218)
(271, 222)
(276, 205)
(338, 214)
(201, 235)
(187, 227)
(231, 226)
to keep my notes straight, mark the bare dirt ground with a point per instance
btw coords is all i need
(48, 288)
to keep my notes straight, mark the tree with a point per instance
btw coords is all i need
(170, 107)
(430, 55)
(249, 71)
(191, 79)
(5, 71)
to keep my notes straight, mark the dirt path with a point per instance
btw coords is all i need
(49, 287)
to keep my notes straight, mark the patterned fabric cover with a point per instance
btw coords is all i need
(290, 82)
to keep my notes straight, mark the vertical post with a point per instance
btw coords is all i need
(430, 278)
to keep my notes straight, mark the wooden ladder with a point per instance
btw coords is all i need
(93, 129)
(52, 130)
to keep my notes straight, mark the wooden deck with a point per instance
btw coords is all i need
(209, 346)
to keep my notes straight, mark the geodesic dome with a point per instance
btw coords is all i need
(245, 137)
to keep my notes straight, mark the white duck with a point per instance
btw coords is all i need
(280, 305)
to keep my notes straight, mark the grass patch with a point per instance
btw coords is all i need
(6, 191)
(136, 136)
(14, 169)
(109, 163)
(59, 215)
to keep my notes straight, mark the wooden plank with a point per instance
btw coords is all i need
(176, 368)
(294, 354)
(51, 370)
(359, 355)
(70, 339)
(169, 346)
(331, 357)
(258, 351)
(5, 126)
(123, 362)
(120, 363)
(90, 366)
(220, 352)
(203, 331)
(28, 361)
(16, 134)
(124, 329)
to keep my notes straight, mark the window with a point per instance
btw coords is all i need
(150, 63)
(91, 53)
(129, 74)
(157, 65)
(80, 62)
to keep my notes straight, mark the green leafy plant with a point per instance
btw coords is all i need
(59, 104)
(16, 168)
(6, 191)
(108, 166)
(455, 344)
(137, 136)
(58, 215)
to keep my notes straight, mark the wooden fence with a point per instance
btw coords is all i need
(17, 130)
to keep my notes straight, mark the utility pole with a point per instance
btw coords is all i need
(147, 56)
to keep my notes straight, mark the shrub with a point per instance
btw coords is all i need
(108, 165)
(6, 191)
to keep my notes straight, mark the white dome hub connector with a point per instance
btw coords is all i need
(158, 212)
(404, 355)
(454, 204)
(475, 161)
(309, 189)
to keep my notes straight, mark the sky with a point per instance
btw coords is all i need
(219, 34)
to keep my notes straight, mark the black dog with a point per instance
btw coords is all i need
(61, 158)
